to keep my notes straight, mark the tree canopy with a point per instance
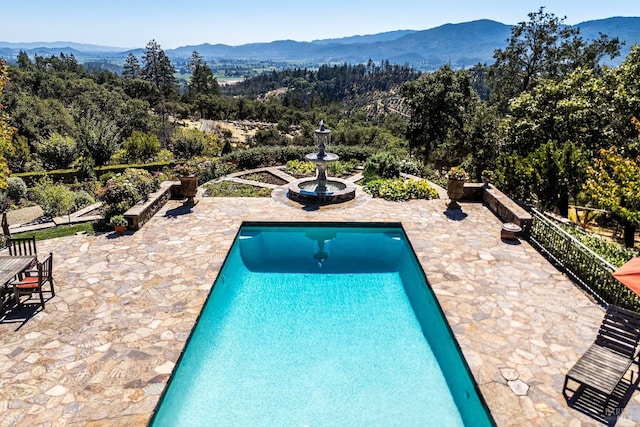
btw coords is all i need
(6, 131)
(543, 48)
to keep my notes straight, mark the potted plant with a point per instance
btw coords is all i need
(455, 185)
(187, 173)
(119, 223)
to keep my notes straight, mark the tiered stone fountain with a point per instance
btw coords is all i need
(321, 190)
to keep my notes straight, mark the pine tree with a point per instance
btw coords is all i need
(131, 67)
(158, 70)
(202, 79)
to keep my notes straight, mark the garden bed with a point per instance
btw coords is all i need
(265, 177)
(234, 189)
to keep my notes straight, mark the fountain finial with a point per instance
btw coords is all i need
(321, 125)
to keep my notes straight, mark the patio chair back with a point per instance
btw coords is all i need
(620, 331)
(22, 246)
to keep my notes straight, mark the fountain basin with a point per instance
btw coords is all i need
(324, 158)
(310, 190)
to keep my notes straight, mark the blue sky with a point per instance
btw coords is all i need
(174, 23)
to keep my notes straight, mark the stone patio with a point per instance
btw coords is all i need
(102, 351)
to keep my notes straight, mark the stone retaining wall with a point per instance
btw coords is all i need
(498, 203)
(506, 209)
(143, 211)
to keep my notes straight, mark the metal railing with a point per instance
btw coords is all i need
(583, 265)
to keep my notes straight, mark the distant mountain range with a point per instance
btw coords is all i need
(459, 45)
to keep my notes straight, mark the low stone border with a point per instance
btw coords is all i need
(506, 209)
(143, 211)
(499, 203)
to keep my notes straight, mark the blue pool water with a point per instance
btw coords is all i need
(323, 325)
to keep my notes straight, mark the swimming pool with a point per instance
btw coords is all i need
(321, 324)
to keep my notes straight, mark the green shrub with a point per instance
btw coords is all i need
(612, 252)
(188, 143)
(55, 199)
(57, 151)
(205, 169)
(103, 178)
(61, 175)
(410, 166)
(271, 156)
(119, 168)
(381, 165)
(226, 147)
(360, 153)
(341, 167)
(300, 168)
(119, 157)
(265, 156)
(398, 189)
(209, 169)
(16, 188)
(117, 220)
(164, 155)
(82, 199)
(141, 146)
(119, 191)
(144, 182)
(123, 191)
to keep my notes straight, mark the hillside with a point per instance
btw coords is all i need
(459, 45)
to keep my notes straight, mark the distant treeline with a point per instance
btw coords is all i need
(329, 83)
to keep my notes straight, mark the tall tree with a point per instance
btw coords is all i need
(614, 185)
(577, 108)
(202, 80)
(543, 48)
(99, 138)
(195, 61)
(441, 104)
(131, 68)
(627, 102)
(6, 131)
(548, 176)
(158, 70)
(23, 61)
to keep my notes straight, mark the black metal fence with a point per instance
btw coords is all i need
(587, 268)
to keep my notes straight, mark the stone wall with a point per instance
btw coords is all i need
(143, 211)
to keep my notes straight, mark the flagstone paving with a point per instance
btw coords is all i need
(103, 349)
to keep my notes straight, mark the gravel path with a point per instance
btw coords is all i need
(24, 215)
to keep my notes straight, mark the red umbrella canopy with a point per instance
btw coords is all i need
(629, 274)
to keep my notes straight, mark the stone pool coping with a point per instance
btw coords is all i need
(104, 347)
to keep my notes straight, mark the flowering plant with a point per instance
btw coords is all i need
(456, 173)
(185, 169)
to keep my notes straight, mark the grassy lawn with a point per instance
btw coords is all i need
(59, 231)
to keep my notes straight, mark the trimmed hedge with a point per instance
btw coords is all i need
(273, 156)
(68, 176)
